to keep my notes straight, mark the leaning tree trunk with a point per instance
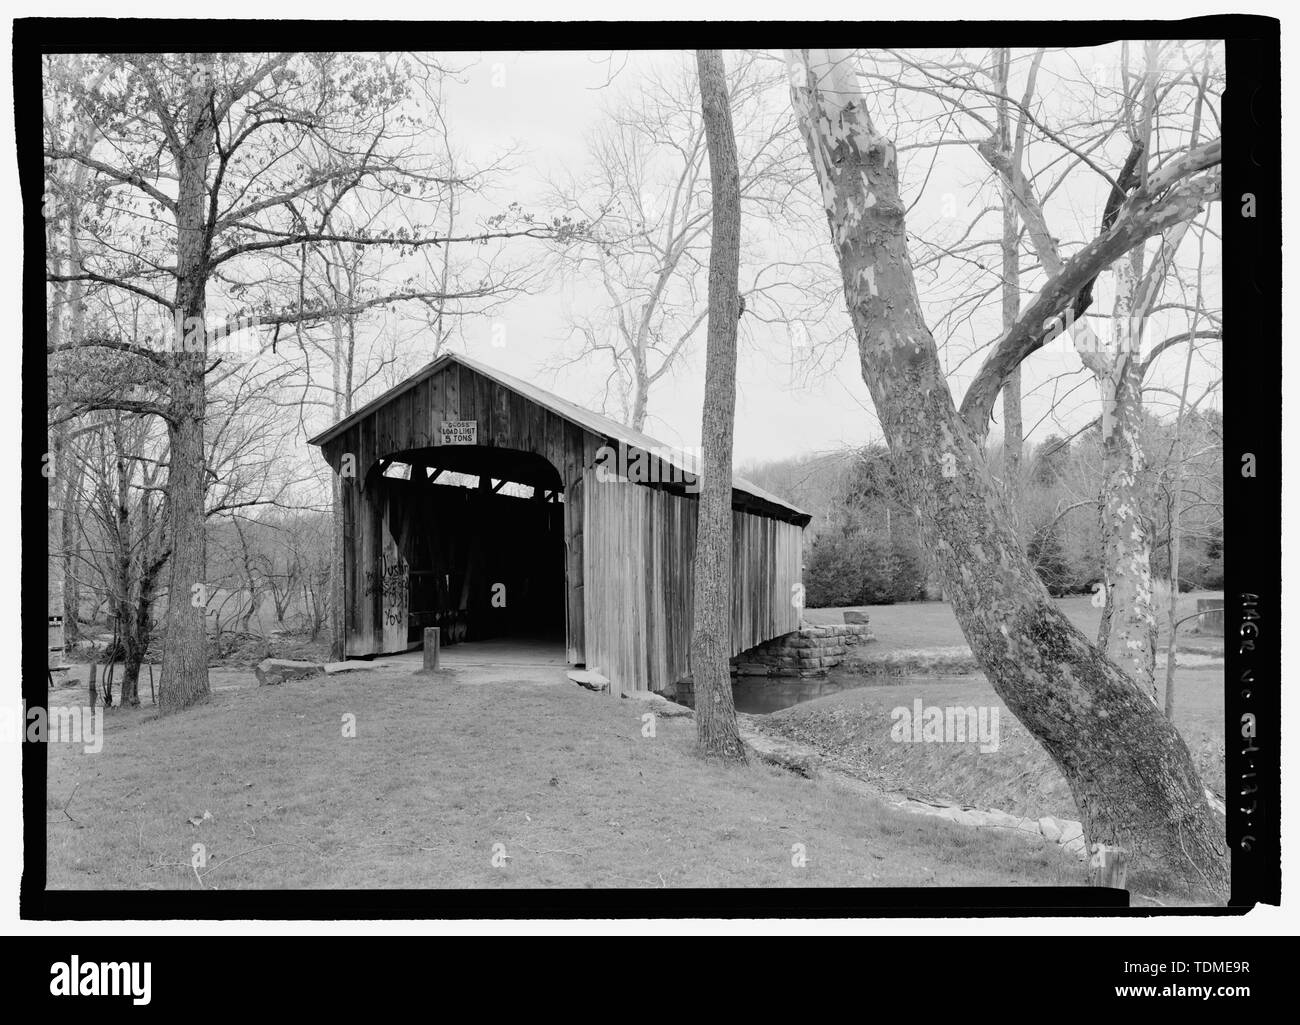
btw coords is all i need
(185, 642)
(1128, 769)
(715, 711)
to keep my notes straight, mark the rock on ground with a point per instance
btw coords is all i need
(271, 672)
(590, 679)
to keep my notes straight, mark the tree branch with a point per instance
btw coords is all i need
(1148, 213)
(117, 174)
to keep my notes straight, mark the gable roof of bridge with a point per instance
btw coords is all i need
(588, 419)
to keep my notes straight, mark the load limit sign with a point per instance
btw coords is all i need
(458, 432)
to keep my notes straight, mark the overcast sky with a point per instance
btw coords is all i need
(546, 102)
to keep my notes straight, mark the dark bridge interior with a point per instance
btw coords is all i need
(481, 533)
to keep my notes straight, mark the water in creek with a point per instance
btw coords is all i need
(758, 695)
(1199, 677)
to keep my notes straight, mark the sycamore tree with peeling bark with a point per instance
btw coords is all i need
(1129, 770)
(1128, 628)
(1046, 127)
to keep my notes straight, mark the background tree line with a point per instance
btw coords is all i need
(861, 547)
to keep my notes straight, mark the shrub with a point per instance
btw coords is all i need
(861, 568)
(1048, 556)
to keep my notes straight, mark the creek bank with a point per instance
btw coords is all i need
(806, 761)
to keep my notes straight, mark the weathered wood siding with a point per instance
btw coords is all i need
(410, 421)
(575, 580)
(628, 548)
(505, 420)
(638, 572)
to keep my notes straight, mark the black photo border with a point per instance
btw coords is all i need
(1252, 418)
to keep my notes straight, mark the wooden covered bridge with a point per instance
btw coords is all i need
(486, 506)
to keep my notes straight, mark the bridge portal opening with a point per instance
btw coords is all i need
(474, 545)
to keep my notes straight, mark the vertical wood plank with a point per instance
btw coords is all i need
(438, 407)
(451, 392)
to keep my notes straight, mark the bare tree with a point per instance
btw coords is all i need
(1129, 628)
(715, 713)
(203, 158)
(1013, 428)
(646, 195)
(123, 546)
(1129, 770)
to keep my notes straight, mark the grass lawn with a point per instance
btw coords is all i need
(440, 771)
(853, 725)
(931, 624)
(853, 728)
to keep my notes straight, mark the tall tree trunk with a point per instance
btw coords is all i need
(640, 391)
(140, 632)
(185, 643)
(1130, 772)
(1013, 430)
(185, 663)
(70, 296)
(1128, 627)
(132, 656)
(342, 373)
(337, 544)
(69, 487)
(1129, 637)
(58, 518)
(250, 580)
(1177, 454)
(715, 711)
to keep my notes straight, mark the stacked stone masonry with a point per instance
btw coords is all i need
(810, 651)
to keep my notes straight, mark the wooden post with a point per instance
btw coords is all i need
(1109, 866)
(432, 639)
(94, 675)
